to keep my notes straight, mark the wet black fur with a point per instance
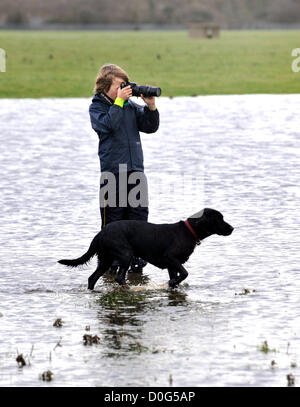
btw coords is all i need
(163, 245)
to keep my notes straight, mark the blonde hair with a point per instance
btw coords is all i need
(106, 75)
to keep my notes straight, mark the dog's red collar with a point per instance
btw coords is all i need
(198, 241)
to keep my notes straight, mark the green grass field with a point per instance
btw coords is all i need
(65, 63)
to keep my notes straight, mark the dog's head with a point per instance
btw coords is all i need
(209, 222)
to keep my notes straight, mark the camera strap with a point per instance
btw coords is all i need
(107, 98)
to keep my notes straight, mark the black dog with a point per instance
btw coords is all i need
(165, 245)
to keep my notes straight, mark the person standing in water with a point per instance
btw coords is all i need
(118, 120)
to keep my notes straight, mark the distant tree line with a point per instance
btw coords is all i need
(228, 13)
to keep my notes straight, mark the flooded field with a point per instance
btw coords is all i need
(235, 319)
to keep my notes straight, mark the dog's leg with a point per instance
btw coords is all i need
(93, 278)
(173, 277)
(121, 274)
(100, 270)
(176, 267)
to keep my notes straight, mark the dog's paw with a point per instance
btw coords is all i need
(173, 284)
(91, 284)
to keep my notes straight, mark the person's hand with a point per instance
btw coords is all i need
(150, 102)
(124, 93)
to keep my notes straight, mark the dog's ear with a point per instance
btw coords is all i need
(212, 214)
(201, 223)
(198, 215)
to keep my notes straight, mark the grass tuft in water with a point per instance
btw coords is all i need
(90, 339)
(58, 323)
(245, 292)
(20, 360)
(291, 380)
(138, 347)
(117, 297)
(264, 347)
(46, 376)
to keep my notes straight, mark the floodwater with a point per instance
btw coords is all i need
(237, 154)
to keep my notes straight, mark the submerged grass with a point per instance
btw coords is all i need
(120, 297)
(65, 63)
(264, 347)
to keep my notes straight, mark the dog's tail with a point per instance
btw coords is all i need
(85, 257)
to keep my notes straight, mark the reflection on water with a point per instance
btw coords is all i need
(237, 154)
(125, 312)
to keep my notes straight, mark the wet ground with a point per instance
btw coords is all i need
(235, 319)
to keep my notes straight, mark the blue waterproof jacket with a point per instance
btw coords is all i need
(118, 131)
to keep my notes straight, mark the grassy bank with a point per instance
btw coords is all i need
(64, 63)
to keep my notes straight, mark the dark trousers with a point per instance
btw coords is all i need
(116, 212)
(112, 213)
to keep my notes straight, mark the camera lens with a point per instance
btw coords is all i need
(148, 91)
(158, 91)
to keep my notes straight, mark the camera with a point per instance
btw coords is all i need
(137, 90)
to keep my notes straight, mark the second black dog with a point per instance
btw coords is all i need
(163, 245)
